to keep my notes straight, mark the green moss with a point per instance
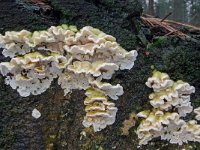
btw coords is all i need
(157, 42)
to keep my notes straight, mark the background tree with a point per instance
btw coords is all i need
(151, 7)
(163, 7)
(195, 12)
(179, 10)
(186, 11)
(144, 6)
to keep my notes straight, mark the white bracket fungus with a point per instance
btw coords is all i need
(197, 112)
(159, 81)
(168, 94)
(99, 111)
(80, 59)
(171, 101)
(36, 114)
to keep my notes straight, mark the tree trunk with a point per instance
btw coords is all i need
(60, 125)
(144, 4)
(179, 10)
(195, 12)
(175, 12)
(151, 7)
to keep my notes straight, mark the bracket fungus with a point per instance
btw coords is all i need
(80, 59)
(197, 112)
(171, 102)
(99, 111)
(36, 114)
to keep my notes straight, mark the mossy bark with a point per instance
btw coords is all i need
(60, 125)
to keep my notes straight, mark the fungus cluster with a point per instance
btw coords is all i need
(171, 102)
(99, 111)
(80, 59)
(197, 112)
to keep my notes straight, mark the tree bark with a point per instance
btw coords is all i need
(144, 4)
(179, 10)
(151, 7)
(60, 126)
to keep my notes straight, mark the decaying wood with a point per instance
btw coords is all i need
(183, 24)
(167, 24)
(166, 16)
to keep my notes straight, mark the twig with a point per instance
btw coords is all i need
(152, 21)
(166, 16)
(170, 33)
(42, 4)
(183, 24)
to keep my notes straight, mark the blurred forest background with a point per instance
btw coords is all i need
(186, 11)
